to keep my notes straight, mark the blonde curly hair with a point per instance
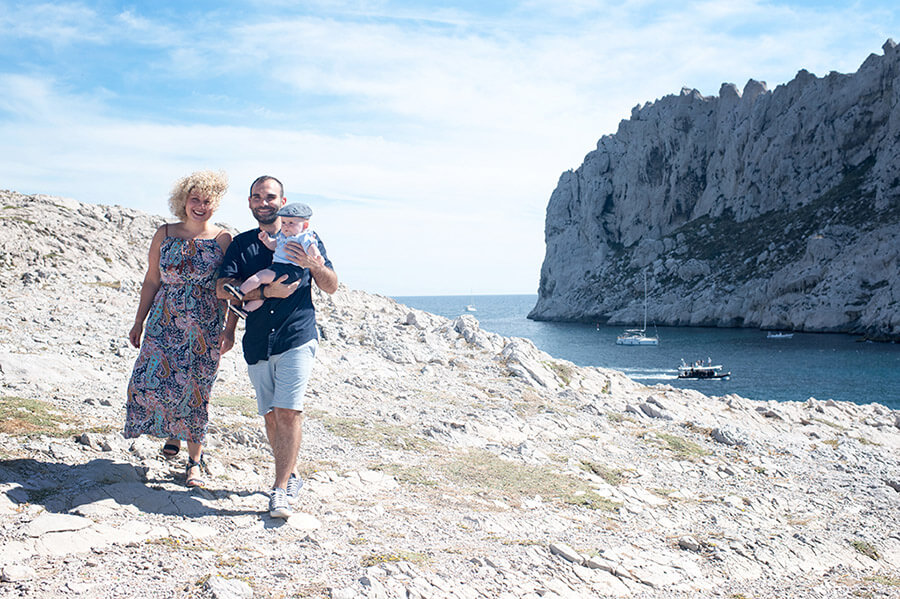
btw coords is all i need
(210, 183)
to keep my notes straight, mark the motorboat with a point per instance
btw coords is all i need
(778, 335)
(470, 308)
(639, 336)
(702, 371)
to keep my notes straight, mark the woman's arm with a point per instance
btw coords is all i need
(152, 283)
(226, 339)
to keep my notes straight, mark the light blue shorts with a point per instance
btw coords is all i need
(280, 381)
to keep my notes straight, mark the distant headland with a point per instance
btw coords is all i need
(774, 209)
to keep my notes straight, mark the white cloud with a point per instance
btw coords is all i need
(430, 141)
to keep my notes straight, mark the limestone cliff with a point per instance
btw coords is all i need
(772, 209)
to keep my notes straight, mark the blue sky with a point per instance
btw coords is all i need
(427, 140)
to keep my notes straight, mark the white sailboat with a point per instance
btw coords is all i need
(639, 336)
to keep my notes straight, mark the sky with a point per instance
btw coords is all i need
(426, 137)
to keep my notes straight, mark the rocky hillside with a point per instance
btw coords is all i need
(773, 209)
(441, 460)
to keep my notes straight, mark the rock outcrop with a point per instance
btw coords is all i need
(440, 460)
(771, 209)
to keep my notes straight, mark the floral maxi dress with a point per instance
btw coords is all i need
(169, 388)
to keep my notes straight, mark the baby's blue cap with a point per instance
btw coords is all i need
(295, 209)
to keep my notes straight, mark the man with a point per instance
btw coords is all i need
(280, 338)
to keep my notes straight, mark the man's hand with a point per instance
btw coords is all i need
(321, 274)
(299, 257)
(277, 288)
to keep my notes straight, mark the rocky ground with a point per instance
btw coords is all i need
(440, 460)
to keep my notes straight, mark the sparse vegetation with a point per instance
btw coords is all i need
(829, 423)
(683, 448)
(412, 557)
(888, 581)
(616, 418)
(610, 475)
(531, 404)
(110, 284)
(245, 405)
(361, 431)
(592, 500)
(521, 542)
(409, 475)
(563, 371)
(178, 544)
(866, 548)
(482, 471)
(17, 218)
(20, 416)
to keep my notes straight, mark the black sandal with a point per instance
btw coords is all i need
(170, 450)
(241, 313)
(194, 481)
(235, 291)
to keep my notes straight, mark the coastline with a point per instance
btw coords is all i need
(440, 459)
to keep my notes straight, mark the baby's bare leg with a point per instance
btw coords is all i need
(263, 277)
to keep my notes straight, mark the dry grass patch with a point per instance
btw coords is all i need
(20, 416)
(110, 284)
(618, 418)
(866, 548)
(529, 405)
(244, 405)
(563, 371)
(612, 476)
(481, 471)
(409, 475)
(361, 431)
(412, 557)
(683, 449)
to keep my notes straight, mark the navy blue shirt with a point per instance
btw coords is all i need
(279, 324)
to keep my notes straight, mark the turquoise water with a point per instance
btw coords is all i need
(824, 366)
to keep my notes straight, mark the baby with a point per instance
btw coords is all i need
(294, 227)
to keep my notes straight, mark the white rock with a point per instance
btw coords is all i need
(226, 588)
(303, 521)
(47, 522)
(566, 552)
(17, 573)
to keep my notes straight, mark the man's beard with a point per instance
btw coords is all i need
(265, 218)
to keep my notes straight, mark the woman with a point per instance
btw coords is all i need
(169, 389)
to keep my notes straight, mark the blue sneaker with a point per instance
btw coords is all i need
(294, 484)
(278, 504)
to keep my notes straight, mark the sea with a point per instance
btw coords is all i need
(820, 365)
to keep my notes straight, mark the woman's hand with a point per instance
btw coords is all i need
(226, 341)
(134, 335)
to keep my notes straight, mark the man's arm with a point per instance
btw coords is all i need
(276, 288)
(325, 278)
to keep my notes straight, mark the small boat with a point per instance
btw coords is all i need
(471, 308)
(639, 336)
(636, 337)
(700, 371)
(777, 335)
